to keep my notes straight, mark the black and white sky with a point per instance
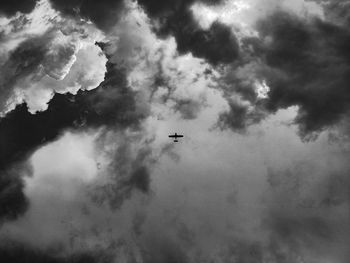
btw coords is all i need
(91, 89)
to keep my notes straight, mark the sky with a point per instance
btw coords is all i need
(90, 91)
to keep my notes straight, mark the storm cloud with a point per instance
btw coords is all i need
(12, 251)
(304, 63)
(217, 44)
(9, 8)
(103, 13)
(91, 90)
(13, 200)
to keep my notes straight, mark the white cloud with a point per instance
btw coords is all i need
(86, 73)
(71, 60)
(243, 15)
(61, 172)
(154, 66)
(262, 89)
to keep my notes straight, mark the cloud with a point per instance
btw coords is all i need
(104, 13)
(336, 11)
(106, 178)
(155, 68)
(314, 76)
(12, 251)
(13, 201)
(242, 16)
(129, 163)
(163, 249)
(43, 56)
(78, 190)
(86, 73)
(140, 179)
(306, 226)
(304, 63)
(189, 109)
(239, 116)
(112, 104)
(9, 8)
(216, 44)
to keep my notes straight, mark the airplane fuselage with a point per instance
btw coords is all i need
(176, 136)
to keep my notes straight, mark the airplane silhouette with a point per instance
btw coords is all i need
(175, 136)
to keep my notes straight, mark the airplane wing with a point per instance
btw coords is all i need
(172, 136)
(180, 136)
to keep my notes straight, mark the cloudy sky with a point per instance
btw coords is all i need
(90, 91)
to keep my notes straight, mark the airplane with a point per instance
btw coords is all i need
(175, 136)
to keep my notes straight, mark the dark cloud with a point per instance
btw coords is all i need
(239, 116)
(189, 109)
(126, 173)
(337, 11)
(140, 178)
(313, 63)
(104, 13)
(235, 118)
(26, 57)
(300, 230)
(140, 175)
(294, 236)
(163, 8)
(336, 190)
(242, 251)
(306, 64)
(162, 249)
(216, 44)
(10, 8)
(14, 252)
(13, 202)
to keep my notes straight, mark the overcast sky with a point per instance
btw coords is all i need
(90, 91)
